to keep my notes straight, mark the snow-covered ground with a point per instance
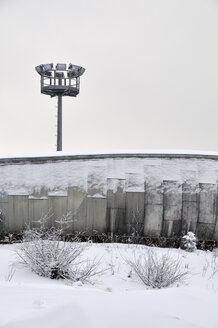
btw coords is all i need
(114, 299)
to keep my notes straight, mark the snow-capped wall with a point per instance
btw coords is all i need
(159, 193)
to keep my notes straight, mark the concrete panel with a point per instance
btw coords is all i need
(116, 193)
(18, 213)
(135, 212)
(205, 231)
(4, 224)
(58, 207)
(153, 220)
(172, 212)
(172, 193)
(116, 221)
(3, 197)
(153, 209)
(77, 206)
(190, 191)
(171, 228)
(96, 214)
(215, 236)
(189, 216)
(116, 205)
(172, 201)
(38, 209)
(208, 201)
(153, 194)
(190, 206)
(3, 212)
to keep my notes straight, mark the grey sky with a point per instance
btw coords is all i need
(151, 77)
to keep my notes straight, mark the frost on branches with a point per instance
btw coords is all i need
(157, 271)
(189, 242)
(44, 252)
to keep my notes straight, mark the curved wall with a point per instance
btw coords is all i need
(149, 194)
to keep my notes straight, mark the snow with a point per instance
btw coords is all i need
(113, 300)
(34, 197)
(111, 152)
(96, 176)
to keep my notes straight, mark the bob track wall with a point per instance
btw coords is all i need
(145, 194)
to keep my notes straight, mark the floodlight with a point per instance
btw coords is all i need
(39, 69)
(47, 67)
(61, 67)
(75, 71)
(81, 71)
(60, 82)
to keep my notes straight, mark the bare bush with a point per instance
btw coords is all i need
(210, 267)
(136, 223)
(157, 271)
(10, 274)
(214, 263)
(47, 255)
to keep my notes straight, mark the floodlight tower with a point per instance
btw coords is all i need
(60, 81)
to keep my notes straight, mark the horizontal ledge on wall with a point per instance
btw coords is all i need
(53, 158)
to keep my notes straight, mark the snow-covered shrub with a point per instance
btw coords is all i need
(47, 255)
(189, 242)
(158, 271)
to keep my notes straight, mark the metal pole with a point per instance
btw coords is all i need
(59, 134)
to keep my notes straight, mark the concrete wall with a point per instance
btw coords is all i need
(122, 195)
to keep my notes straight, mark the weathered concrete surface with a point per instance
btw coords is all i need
(135, 209)
(207, 206)
(18, 214)
(207, 211)
(215, 235)
(138, 194)
(96, 214)
(172, 209)
(116, 204)
(38, 209)
(153, 210)
(58, 208)
(77, 206)
(3, 212)
(190, 206)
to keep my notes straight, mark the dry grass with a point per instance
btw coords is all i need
(157, 271)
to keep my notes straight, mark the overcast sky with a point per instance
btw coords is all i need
(151, 77)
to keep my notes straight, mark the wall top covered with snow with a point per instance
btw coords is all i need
(96, 173)
(57, 156)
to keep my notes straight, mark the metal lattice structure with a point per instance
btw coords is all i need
(60, 81)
